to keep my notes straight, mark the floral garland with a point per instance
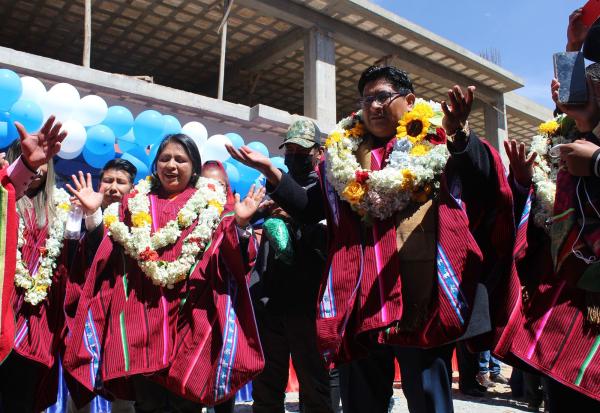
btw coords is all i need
(205, 206)
(545, 169)
(36, 286)
(414, 165)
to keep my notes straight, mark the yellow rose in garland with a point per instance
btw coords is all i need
(354, 192)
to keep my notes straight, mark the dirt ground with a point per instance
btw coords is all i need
(497, 400)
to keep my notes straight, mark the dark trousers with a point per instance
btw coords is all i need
(468, 367)
(18, 384)
(367, 384)
(151, 397)
(563, 399)
(282, 336)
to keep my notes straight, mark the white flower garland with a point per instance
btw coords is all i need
(412, 173)
(205, 206)
(545, 171)
(36, 286)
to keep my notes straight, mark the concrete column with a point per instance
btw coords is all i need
(319, 78)
(496, 127)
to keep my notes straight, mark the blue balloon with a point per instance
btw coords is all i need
(153, 151)
(119, 119)
(148, 127)
(139, 153)
(172, 125)
(236, 140)
(259, 147)
(232, 173)
(97, 160)
(127, 141)
(243, 185)
(279, 163)
(142, 168)
(100, 140)
(8, 132)
(245, 172)
(27, 113)
(10, 88)
(68, 167)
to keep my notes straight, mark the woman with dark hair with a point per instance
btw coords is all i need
(165, 307)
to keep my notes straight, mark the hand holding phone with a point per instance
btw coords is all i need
(569, 70)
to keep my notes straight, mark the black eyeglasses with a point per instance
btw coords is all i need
(381, 98)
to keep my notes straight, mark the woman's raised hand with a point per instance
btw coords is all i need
(244, 210)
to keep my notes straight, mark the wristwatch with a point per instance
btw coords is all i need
(464, 129)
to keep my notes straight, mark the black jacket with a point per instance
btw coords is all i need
(282, 287)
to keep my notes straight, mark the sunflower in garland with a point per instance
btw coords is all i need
(415, 124)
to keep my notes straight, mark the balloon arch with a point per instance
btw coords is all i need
(94, 128)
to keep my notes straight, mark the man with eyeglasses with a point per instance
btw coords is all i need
(400, 265)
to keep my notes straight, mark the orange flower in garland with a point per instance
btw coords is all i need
(408, 180)
(356, 132)
(149, 255)
(354, 192)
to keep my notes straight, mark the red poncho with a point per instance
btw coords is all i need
(199, 338)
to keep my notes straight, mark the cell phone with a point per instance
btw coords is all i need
(569, 69)
(590, 12)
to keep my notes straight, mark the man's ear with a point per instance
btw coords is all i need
(410, 100)
(320, 152)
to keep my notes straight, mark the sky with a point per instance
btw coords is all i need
(525, 32)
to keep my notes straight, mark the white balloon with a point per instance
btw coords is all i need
(197, 132)
(33, 89)
(90, 111)
(214, 149)
(73, 144)
(60, 101)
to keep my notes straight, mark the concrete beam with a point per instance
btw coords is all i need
(367, 43)
(319, 78)
(527, 109)
(496, 127)
(263, 58)
(130, 89)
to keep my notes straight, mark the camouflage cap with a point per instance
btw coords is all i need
(303, 132)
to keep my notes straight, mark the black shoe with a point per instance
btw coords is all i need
(473, 392)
